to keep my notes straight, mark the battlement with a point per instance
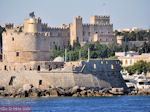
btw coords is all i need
(99, 19)
(32, 25)
(57, 28)
(86, 24)
(24, 34)
(102, 24)
(78, 17)
(48, 29)
(93, 65)
(96, 66)
(8, 25)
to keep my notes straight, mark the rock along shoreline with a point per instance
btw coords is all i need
(30, 91)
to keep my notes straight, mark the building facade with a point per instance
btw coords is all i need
(131, 59)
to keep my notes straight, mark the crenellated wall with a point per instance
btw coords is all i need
(99, 19)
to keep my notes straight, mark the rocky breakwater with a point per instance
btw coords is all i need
(143, 92)
(30, 91)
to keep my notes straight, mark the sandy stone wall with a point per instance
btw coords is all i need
(25, 47)
(61, 79)
(94, 73)
(99, 19)
(104, 33)
(59, 36)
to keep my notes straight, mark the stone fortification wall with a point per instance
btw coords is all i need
(95, 73)
(59, 36)
(51, 79)
(30, 66)
(24, 47)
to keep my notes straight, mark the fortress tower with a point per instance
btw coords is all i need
(32, 25)
(76, 30)
(27, 45)
(99, 19)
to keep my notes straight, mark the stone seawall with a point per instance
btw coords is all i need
(60, 79)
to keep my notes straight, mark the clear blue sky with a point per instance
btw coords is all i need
(124, 13)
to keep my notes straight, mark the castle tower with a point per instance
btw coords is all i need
(76, 30)
(32, 24)
(99, 19)
(120, 40)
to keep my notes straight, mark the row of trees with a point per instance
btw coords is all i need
(134, 36)
(96, 51)
(139, 67)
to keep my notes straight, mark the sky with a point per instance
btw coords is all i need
(123, 13)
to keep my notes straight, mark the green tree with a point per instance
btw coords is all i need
(138, 67)
(55, 53)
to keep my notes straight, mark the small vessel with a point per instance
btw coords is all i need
(141, 82)
(129, 82)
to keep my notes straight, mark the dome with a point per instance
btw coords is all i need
(59, 59)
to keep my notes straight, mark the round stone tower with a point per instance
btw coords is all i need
(25, 47)
(32, 25)
(28, 45)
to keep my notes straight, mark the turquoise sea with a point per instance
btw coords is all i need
(82, 104)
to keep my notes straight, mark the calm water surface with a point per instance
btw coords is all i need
(87, 104)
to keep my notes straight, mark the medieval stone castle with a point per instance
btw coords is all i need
(33, 40)
(26, 55)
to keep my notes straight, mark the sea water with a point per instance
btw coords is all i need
(82, 104)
